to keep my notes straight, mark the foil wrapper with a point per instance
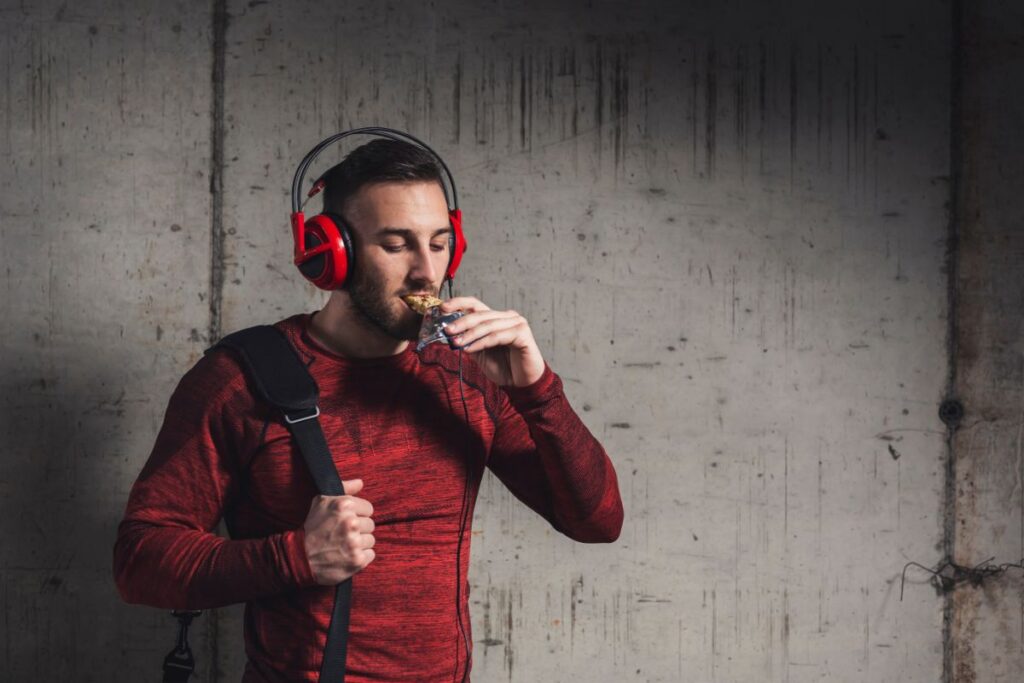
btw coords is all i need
(432, 329)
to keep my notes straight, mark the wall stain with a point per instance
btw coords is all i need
(794, 99)
(710, 111)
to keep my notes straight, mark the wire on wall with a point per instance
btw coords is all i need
(948, 575)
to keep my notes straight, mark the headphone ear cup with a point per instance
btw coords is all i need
(313, 269)
(349, 253)
(456, 243)
(329, 268)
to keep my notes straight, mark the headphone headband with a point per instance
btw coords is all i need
(323, 248)
(300, 173)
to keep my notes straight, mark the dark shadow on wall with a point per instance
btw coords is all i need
(71, 455)
(63, 486)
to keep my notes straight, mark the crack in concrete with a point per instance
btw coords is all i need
(216, 293)
(220, 25)
(952, 274)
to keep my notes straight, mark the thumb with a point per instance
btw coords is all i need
(352, 486)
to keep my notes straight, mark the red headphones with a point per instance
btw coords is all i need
(323, 244)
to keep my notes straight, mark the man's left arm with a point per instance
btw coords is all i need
(541, 450)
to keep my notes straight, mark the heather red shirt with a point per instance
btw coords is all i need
(398, 424)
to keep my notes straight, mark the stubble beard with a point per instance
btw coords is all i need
(372, 304)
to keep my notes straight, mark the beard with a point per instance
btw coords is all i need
(376, 307)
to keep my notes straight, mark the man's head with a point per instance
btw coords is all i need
(391, 196)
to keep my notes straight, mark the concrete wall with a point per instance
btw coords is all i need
(726, 224)
(987, 620)
(104, 163)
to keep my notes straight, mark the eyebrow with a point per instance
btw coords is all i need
(406, 232)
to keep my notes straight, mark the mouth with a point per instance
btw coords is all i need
(420, 302)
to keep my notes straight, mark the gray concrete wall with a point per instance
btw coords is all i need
(104, 162)
(987, 620)
(726, 224)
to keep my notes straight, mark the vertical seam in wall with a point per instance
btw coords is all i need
(216, 293)
(952, 280)
(220, 25)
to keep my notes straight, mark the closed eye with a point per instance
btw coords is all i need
(396, 248)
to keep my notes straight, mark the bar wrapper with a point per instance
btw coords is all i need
(432, 329)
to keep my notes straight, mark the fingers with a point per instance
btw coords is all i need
(472, 319)
(476, 325)
(348, 502)
(468, 304)
(479, 321)
(339, 536)
(359, 534)
(495, 330)
(504, 336)
(352, 538)
(364, 542)
(345, 506)
(363, 525)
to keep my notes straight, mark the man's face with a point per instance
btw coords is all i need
(401, 244)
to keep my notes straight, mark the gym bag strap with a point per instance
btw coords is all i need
(279, 377)
(179, 662)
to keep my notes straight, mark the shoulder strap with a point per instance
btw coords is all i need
(280, 378)
(274, 367)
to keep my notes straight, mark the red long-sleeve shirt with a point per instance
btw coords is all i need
(398, 424)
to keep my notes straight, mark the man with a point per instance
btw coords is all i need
(408, 438)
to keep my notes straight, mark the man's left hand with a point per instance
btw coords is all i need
(500, 342)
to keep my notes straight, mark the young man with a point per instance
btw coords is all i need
(408, 438)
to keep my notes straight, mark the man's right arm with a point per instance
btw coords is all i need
(166, 554)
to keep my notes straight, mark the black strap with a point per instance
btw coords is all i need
(179, 662)
(280, 378)
(310, 439)
(273, 365)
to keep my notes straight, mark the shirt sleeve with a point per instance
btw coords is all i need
(548, 458)
(166, 554)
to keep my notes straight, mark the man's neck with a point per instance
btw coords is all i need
(340, 329)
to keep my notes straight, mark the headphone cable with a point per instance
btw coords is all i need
(463, 517)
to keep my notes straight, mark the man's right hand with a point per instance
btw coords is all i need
(339, 535)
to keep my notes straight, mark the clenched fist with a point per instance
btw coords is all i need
(339, 535)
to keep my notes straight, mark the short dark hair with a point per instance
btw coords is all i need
(378, 161)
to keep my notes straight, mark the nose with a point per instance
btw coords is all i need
(423, 266)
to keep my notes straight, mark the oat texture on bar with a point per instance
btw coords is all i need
(421, 303)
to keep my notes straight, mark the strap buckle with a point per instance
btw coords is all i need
(179, 662)
(302, 418)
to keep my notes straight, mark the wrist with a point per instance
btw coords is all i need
(536, 393)
(296, 553)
